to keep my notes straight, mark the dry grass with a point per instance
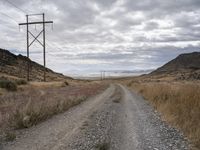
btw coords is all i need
(47, 84)
(102, 146)
(33, 113)
(43, 85)
(27, 108)
(178, 102)
(10, 136)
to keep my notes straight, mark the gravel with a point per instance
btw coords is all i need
(146, 129)
(118, 119)
(129, 124)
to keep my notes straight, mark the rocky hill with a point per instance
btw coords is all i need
(15, 66)
(185, 66)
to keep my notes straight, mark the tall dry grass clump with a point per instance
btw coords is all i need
(33, 113)
(179, 104)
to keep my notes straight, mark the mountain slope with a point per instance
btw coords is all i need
(190, 61)
(185, 66)
(16, 66)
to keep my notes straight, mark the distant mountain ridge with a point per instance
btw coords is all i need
(16, 66)
(187, 66)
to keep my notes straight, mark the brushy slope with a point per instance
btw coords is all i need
(16, 66)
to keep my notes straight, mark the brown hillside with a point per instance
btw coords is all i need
(185, 66)
(16, 66)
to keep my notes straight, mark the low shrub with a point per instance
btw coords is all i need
(8, 85)
(66, 83)
(21, 82)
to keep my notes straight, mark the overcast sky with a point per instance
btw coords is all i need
(93, 35)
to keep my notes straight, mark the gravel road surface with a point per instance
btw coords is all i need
(116, 119)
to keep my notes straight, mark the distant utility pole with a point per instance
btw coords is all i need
(43, 22)
(103, 76)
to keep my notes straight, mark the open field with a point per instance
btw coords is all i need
(178, 103)
(39, 102)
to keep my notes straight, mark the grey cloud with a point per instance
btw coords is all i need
(105, 3)
(151, 25)
(169, 6)
(97, 34)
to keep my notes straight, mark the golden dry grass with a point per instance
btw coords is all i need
(26, 108)
(46, 84)
(178, 102)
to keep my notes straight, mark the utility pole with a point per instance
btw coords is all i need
(103, 76)
(43, 22)
(27, 36)
(44, 47)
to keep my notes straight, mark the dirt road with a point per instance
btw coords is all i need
(117, 119)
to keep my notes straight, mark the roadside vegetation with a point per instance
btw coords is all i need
(11, 85)
(8, 85)
(21, 82)
(178, 102)
(24, 109)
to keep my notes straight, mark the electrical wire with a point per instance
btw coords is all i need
(9, 17)
(47, 42)
(16, 6)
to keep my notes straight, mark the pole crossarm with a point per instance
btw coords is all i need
(38, 22)
(38, 14)
(35, 38)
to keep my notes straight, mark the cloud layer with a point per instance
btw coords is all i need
(99, 35)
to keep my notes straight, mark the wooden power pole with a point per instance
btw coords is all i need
(28, 32)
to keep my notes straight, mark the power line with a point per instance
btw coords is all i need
(9, 17)
(23, 12)
(53, 47)
(16, 6)
(50, 45)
